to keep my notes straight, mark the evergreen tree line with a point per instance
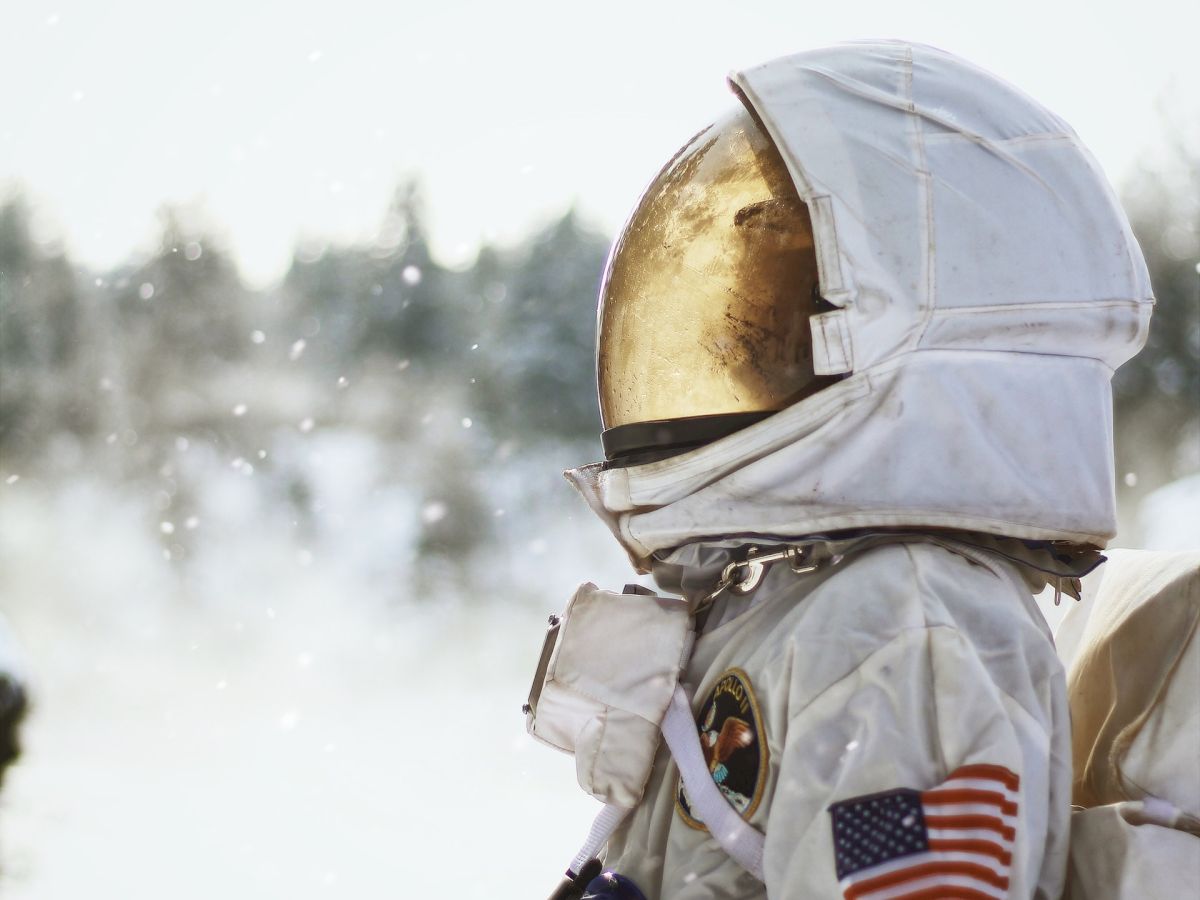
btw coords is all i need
(381, 335)
(156, 348)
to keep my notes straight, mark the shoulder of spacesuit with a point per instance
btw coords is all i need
(914, 583)
(862, 625)
(895, 593)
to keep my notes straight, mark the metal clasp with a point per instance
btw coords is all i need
(754, 566)
(744, 575)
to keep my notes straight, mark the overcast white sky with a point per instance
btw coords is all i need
(288, 118)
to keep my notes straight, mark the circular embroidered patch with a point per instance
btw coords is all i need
(734, 746)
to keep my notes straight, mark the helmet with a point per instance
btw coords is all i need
(983, 285)
(703, 319)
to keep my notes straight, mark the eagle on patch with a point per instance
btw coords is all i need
(734, 747)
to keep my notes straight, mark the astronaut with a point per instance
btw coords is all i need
(854, 356)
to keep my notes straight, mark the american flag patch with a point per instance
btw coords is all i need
(955, 840)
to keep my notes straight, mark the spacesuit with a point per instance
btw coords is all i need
(886, 373)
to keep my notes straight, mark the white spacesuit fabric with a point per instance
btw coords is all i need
(1134, 690)
(894, 669)
(607, 686)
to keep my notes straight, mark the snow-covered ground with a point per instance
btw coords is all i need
(288, 708)
(282, 716)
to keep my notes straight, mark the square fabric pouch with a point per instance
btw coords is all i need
(607, 673)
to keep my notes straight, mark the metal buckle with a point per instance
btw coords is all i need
(539, 677)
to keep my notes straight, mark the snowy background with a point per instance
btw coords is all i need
(296, 323)
(296, 719)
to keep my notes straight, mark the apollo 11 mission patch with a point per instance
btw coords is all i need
(734, 746)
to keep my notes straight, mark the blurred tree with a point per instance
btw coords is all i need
(389, 298)
(176, 324)
(325, 295)
(416, 308)
(43, 383)
(455, 522)
(542, 349)
(1157, 394)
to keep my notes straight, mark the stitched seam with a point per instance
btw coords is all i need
(930, 299)
(1071, 305)
(595, 760)
(919, 592)
(1048, 137)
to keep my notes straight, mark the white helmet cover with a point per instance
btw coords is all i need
(987, 285)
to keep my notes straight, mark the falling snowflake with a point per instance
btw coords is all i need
(146, 291)
(167, 527)
(192, 250)
(240, 409)
(297, 349)
(306, 425)
(257, 337)
(411, 275)
(433, 511)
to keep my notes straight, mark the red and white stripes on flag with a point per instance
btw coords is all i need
(955, 840)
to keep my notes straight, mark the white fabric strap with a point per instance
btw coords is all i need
(737, 837)
(831, 343)
(1160, 812)
(602, 829)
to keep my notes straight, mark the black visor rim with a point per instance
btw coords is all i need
(638, 442)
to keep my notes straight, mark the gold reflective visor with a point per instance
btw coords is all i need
(705, 303)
